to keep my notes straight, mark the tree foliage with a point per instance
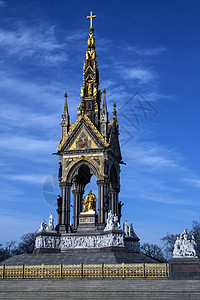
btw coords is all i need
(196, 232)
(153, 251)
(26, 245)
(168, 241)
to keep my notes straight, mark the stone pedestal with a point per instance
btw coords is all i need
(184, 268)
(88, 237)
(87, 221)
(132, 244)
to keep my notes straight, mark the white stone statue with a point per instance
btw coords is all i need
(42, 226)
(184, 247)
(112, 222)
(126, 228)
(131, 231)
(45, 227)
(51, 225)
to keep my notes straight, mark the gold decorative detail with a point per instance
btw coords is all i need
(79, 271)
(62, 142)
(83, 141)
(95, 90)
(82, 107)
(89, 67)
(90, 89)
(114, 112)
(82, 91)
(89, 202)
(83, 158)
(96, 130)
(86, 220)
(91, 17)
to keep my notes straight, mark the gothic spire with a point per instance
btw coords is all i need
(90, 93)
(104, 116)
(65, 118)
(104, 105)
(65, 110)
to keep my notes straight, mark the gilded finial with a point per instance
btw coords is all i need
(91, 17)
(65, 95)
(114, 112)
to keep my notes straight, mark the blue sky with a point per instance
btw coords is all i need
(148, 52)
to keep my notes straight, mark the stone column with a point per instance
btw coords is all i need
(102, 193)
(116, 201)
(64, 217)
(106, 202)
(63, 213)
(59, 211)
(112, 200)
(78, 192)
(68, 189)
(75, 209)
(80, 198)
(100, 201)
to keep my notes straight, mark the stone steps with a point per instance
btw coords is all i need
(99, 289)
(101, 295)
(77, 258)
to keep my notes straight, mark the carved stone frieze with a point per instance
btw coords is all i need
(73, 242)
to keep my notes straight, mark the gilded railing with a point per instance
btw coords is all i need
(84, 271)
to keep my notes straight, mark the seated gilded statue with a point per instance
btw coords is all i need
(89, 202)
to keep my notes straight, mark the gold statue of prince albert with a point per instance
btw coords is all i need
(89, 202)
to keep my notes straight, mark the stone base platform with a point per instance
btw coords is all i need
(77, 258)
(184, 268)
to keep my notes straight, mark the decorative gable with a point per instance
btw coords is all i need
(82, 135)
(83, 141)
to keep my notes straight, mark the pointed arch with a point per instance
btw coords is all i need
(80, 164)
(114, 177)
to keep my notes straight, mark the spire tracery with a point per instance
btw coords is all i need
(90, 93)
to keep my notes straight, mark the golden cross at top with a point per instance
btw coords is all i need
(90, 17)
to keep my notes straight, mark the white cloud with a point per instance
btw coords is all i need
(29, 178)
(20, 116)
(141, 74)
(2, 3)
(135, 71)
(36, 42)
(167, 199)
(47, 94)
(153, 156)
(27, 145)
(146, 51)
(157, 161)
(193, 181)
